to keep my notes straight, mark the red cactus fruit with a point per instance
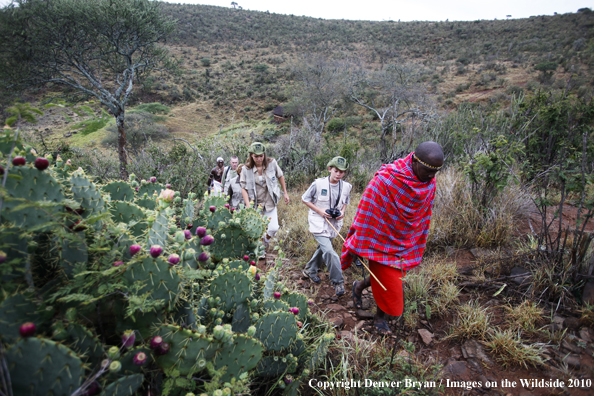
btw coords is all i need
(19, 161)
(173, 259)
(188, 234)
(27, 329)
(277, 295)
(200, 232)
(163, 349)
(135, 249)
(246, 258)
(207, 240)
(139, 359)
(212, 209)
(156, 251)
(41, 163)
(118, 263)
(203, 257)
(156, 342)
(128, 338)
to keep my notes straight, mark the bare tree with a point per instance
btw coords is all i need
(96, 48)
(398, 100)
(319, 90)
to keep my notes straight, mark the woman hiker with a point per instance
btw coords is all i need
(259, 181)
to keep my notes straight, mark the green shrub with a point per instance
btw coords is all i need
(335, 125)
(205, 62)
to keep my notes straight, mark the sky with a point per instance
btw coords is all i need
(420, 10)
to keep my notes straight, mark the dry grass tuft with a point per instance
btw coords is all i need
(459, 221)
(510, 351)
(447, 295)
(525, 317)
(472, 322)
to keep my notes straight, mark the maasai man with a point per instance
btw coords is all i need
(391, 226)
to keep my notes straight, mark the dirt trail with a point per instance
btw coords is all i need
(463, 362)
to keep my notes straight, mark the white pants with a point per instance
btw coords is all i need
(273, 225)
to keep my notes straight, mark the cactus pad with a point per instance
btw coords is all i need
(187, 349)
(252, 223)
(296, 300)
(159, 231)
(86, 194)
(275, 306)
(14, 311)
(147, 203)
(242, 355)
(229, 242)
(150, 189)
(29, 186)
(125, 386)
(241, 318)
(233, 287)
(119, 191)
(277, 330)
(126, 212)
(159, 278)
(37, 365)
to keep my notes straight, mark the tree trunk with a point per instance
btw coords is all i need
(122, 144)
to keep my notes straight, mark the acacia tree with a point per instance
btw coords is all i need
(97, 48)
(397, 98)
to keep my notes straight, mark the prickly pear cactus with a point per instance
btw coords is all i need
(159, 230)
(233, 288)
(41, 195)
(296, 300)
(14, 311)
(150, 189)
(230, 242)
(86, 194)
(130, 214)
(251, 222)
(158, 278)
(33, 373)
(146, 203)
(119, 191)
(240, 355)
(277, 330)
(74, 250)
(125, 386)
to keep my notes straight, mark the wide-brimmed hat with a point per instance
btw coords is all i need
(257, 148)
(339, 163)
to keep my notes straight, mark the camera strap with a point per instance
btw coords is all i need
(330, 192)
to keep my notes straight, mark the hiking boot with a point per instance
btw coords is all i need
(339, 289)
(313, 278)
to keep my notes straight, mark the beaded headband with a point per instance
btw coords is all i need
(425, 164)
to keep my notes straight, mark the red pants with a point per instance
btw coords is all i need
(390, 301)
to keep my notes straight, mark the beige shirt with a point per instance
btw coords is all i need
(264, 197)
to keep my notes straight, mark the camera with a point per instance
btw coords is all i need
(334, 213)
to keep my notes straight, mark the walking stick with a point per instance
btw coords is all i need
(360, 258)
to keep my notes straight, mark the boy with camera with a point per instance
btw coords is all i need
(327, 199)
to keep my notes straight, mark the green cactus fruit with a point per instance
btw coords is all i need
(119, 191)
(33, 373)
(125, 386)
(130, 214)
(277, 330)
(38, 190)
(233, 288)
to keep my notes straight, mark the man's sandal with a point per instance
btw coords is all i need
(382, 328)
(357, 301)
